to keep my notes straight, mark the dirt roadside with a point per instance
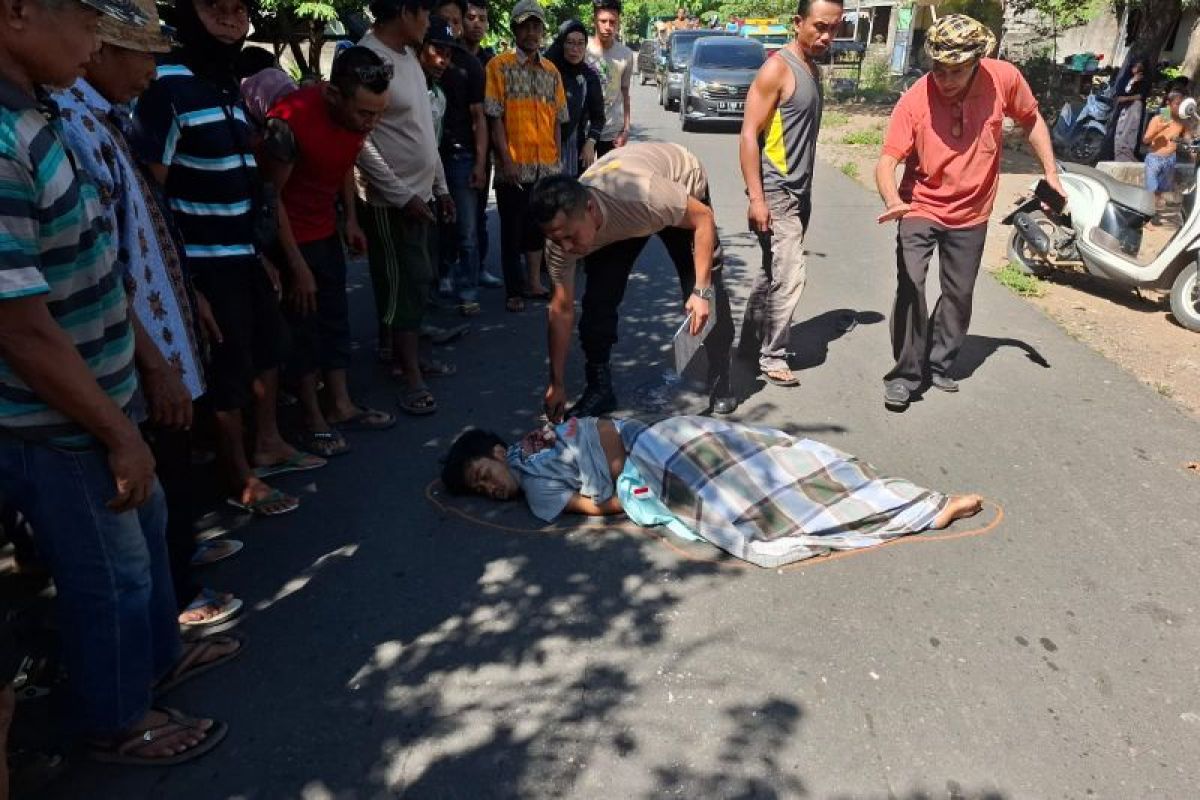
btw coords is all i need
(1136, 331)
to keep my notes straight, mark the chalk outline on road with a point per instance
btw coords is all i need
(431, 494)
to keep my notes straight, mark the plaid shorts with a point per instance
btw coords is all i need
(1160, 173)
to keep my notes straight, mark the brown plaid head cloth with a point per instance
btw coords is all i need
(957, 38)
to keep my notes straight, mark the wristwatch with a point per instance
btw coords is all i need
(707, 293)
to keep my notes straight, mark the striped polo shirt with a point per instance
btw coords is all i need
(199, 131)
(54, 242)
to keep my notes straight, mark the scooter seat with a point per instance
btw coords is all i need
(1135, 198)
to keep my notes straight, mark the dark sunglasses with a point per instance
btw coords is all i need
(370, 74)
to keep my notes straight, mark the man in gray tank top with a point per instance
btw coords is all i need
(777, 149)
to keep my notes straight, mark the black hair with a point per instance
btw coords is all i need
(387, 10)
(606, 5)
(253, 60)
(478, 4)
(462, 5)
(804, 6)
(554, 194)
(345, 77)
(472, 444)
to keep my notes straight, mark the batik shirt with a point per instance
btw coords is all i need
(526, 92)
(146, 254)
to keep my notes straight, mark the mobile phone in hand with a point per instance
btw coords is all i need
(1050, 196)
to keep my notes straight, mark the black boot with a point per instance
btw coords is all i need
(722, 398)
(598, 398)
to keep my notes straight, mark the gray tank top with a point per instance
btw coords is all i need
(789, 145)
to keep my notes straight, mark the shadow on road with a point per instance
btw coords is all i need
(978, 349)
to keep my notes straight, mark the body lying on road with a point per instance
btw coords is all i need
(757, 493)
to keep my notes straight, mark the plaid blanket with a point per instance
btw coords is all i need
(770, 498)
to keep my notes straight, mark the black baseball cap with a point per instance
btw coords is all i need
(439, 32)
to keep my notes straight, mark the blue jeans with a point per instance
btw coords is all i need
(465, 270)
(116, 604)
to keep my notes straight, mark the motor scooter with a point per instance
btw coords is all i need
(1101, 227)
(1078, 136)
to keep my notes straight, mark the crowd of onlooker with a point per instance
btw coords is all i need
(178, 210)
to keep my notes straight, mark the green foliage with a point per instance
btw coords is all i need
(868, 137)
(834, 119)
(876, 74)
(850, 169)
(1062, 14)
(989, 12)
(1019, 282)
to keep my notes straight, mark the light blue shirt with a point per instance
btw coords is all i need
(146, 253)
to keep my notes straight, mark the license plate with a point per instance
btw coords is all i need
(731, 105)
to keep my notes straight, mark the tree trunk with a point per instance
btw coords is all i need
(298, 56)
(1191, 59)
(316, 41)
(1156, 20)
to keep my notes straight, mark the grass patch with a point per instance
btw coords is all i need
(1010, 275)
(850, 169)
(1164, 390)
(870, 137)
(834, 119)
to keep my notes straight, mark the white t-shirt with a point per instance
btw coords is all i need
(615, 67)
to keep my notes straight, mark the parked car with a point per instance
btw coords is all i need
(674, 61)
(647, 61)
(718, 79)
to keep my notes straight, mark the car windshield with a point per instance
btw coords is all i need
(681, 49)
(772, 38)
(730, 56)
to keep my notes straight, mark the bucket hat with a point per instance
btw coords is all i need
(145, 38)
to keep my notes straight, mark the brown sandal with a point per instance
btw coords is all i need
(124, 749)
(191, 664)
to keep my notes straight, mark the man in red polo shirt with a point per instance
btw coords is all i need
(948, 130)
(313, 138)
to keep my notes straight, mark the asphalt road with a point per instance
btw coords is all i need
(396, 649)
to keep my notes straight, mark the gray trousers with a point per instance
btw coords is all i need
(767, 324)
(922, 344)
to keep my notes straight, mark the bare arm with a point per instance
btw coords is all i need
(356, 240)
(479, 128)
(560, 319)
(169, 403)
(1039, 142)
(761, 102)
(504, 162)
(39, 352)
(700, 218)
(885, 181)
(578, 504)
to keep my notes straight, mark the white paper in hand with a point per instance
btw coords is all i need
(686, 345)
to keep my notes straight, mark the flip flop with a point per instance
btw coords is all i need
(437, 369)
(469, 309)
(323, 444)
(119, 751)
(441, 336)
(792, 381)
(410, 403)
(258, 507)
(514, 304)
(367, 419)
(214, 550)
(301, 462)
(184, 670)
(207, 597)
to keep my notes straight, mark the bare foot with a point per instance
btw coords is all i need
(959, 507)
(170, 736)
(274, 452)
